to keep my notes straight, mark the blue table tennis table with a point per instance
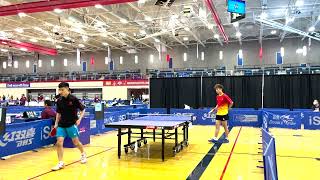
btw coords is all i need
(154, 122)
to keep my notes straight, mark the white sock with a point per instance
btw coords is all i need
(61, 162)
(215, 138)
(227, 138)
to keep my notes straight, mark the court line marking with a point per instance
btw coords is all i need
(227, 163)
(297, 157)
(69, 164)
(256, 154)
(204, 163)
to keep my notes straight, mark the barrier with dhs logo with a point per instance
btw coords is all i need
(21, 137)
(283, 119)
(311, 120)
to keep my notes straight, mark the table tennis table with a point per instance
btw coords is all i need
(153, 122)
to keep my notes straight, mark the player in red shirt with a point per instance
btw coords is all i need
(224, 103)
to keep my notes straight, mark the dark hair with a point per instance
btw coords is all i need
(63, 84)
(48, 103)
(218, 86)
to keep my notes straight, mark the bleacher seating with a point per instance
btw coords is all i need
(285, 69)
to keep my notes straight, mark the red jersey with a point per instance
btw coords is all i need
(223, 102)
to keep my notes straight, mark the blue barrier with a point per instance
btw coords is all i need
(202, 115)
(283, 119)
(303, 110)
(266, 138)
(269, 156)
(153, 111)
(90, 110)
(141, 106)
(22, 120)
(273, 109)
(21, 109)
(245, 118)
(311, 120)
(115, 116)
(238, 117)
(255, 118)
(112, 117)
(209, 108)
(249, 109)
(132, 106)
(23, 137)
(110, 110)
(121, 107)
(265, 121)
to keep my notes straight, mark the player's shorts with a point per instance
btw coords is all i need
(222, 117)
(71, 132)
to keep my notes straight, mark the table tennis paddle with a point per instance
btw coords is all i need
(53, 132)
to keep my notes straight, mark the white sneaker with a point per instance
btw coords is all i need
(59, 166)
(214, 140)
(83, 158)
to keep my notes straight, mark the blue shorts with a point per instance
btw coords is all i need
(71, 132)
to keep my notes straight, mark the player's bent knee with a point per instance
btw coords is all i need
(59, 143)
(76, 142)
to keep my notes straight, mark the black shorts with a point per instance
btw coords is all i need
(222, 117)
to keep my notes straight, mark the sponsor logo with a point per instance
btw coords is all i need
(192, 115)
(206, 116)
(21, 137)
(283, 119)
(46, 132)
(134, 115)
(315, 120)
(109, 120)
(115, 118)
(246, 118)
(184, 114)
(82, 130)
(122, 117)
